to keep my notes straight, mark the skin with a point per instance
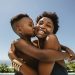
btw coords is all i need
(24, 69)
(23, 28)
(51, 42)
(44, 56)
(40, 71)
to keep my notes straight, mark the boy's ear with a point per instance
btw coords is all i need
(19, 30)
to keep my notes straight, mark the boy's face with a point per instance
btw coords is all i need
(24, 27)
(44, 27)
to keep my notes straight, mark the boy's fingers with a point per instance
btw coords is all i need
(73, 58)
(72, 54)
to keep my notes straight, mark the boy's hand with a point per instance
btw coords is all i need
(72, 58)
(71, 53)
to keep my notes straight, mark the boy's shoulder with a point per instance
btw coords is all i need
(17, 40)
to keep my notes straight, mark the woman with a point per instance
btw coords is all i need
(50, 56)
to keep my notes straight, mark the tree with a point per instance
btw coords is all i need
(5, 69)
(71, 66)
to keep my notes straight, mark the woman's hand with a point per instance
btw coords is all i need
(11, 52)
(16, 64)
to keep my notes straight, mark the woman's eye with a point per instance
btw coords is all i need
(41, 22)
(49, 26)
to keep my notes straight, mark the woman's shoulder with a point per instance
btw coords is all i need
(51, 37)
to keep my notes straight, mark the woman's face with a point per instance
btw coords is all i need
(44, 27)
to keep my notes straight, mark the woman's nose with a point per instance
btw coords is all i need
(42, 26)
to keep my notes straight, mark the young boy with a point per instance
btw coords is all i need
(45, 68)
(22, 25)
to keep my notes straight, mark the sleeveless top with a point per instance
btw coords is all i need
(59, 70)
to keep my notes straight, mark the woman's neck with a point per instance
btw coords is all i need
(41, 42)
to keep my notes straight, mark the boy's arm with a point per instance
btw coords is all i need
(67, 49)
(42, 55)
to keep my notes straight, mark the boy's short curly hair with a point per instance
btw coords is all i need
(17, 18)
(53, 16)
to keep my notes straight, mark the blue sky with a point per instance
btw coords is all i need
(9, 8)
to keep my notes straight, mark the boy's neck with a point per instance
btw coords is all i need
(27, 38)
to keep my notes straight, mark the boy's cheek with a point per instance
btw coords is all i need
(35, 31)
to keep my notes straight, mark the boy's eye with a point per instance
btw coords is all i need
(30, 25)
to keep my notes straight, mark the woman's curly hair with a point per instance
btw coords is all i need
(53, 16)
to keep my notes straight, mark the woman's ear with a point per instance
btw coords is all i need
(52, 29)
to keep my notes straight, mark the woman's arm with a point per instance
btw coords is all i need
(11, 53)
(42, 55)
(71, 53)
